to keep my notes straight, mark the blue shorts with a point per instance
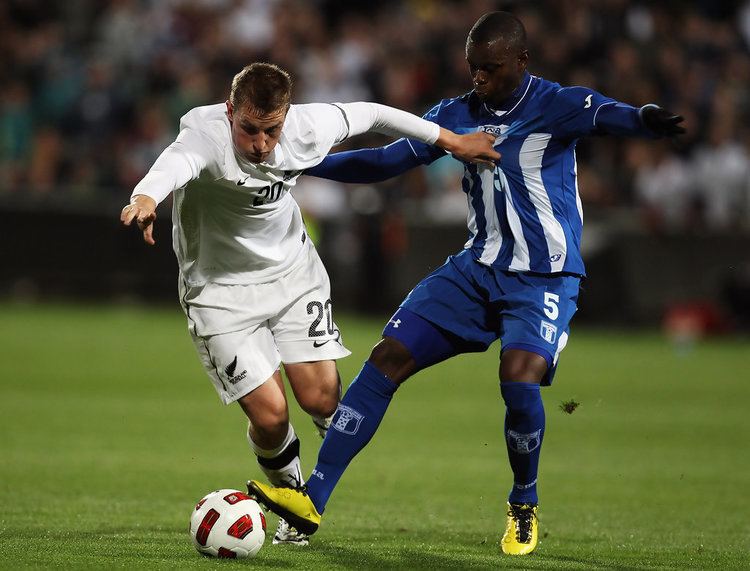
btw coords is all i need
(472, 305)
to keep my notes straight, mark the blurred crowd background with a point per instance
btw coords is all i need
(91, 90)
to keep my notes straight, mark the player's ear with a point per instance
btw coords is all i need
(230, 109)
(523, 59)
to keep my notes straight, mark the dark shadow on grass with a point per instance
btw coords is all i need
(593, 563)
(700, 560)
(409, 558)
(118, 533)
(417, 558)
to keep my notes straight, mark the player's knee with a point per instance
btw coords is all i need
(271, 419)
(393, 359)
(271, 429)
(518, 365)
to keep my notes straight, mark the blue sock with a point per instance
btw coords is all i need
(354, 424)
(524, 431)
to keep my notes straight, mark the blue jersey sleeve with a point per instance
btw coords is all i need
(378, 164)
(579, 111)
(367, 165)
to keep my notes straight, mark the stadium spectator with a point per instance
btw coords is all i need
(664, 188)
(722, 176)
(16, 133)
(77, 66)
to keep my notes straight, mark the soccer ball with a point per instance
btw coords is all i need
(228, 523)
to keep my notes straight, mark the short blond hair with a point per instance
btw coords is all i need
(264, 87)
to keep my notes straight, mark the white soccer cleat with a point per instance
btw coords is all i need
(287, 535)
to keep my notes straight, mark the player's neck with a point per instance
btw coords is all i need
(510, 101)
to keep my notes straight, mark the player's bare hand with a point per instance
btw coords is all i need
(142, 209)
(473, 147)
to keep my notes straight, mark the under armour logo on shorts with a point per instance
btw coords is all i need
(347, 420)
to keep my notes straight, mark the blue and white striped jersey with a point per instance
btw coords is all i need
(525, 214)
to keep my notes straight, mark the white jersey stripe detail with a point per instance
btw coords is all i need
(493, 239)
(561, 343)
(579, 205)
(471, 217)
(530, 161)
(521, 261)
(593, 122)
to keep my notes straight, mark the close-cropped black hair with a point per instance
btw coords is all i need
(499, 25)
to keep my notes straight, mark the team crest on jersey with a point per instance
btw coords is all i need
(347, 420)
(524, 443)
(497, 130)
(548, 331)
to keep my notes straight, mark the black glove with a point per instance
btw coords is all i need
(662, 122)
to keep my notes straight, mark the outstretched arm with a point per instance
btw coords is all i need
(363, 117)
(580, 111)
(179, 163)
(368, 165)
(649, 120)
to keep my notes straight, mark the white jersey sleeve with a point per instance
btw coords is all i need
(329, 124)
(182, 161)
(363, 117)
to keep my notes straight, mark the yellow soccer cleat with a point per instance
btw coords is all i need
(521, 531)
(292, 504)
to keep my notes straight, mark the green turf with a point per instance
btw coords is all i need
(109, 433)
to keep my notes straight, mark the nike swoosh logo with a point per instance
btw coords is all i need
(320, 343)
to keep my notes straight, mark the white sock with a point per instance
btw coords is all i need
(281, 465)
(322, 423)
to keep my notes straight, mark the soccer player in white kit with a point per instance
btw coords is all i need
(252, 286)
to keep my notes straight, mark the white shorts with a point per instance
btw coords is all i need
(244, 332)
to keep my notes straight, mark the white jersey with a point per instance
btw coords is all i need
(235, 222)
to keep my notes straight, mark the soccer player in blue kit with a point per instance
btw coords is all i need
(516, 279)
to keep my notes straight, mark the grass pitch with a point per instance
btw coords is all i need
(110, 432)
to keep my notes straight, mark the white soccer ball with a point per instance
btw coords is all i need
(229, 524)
